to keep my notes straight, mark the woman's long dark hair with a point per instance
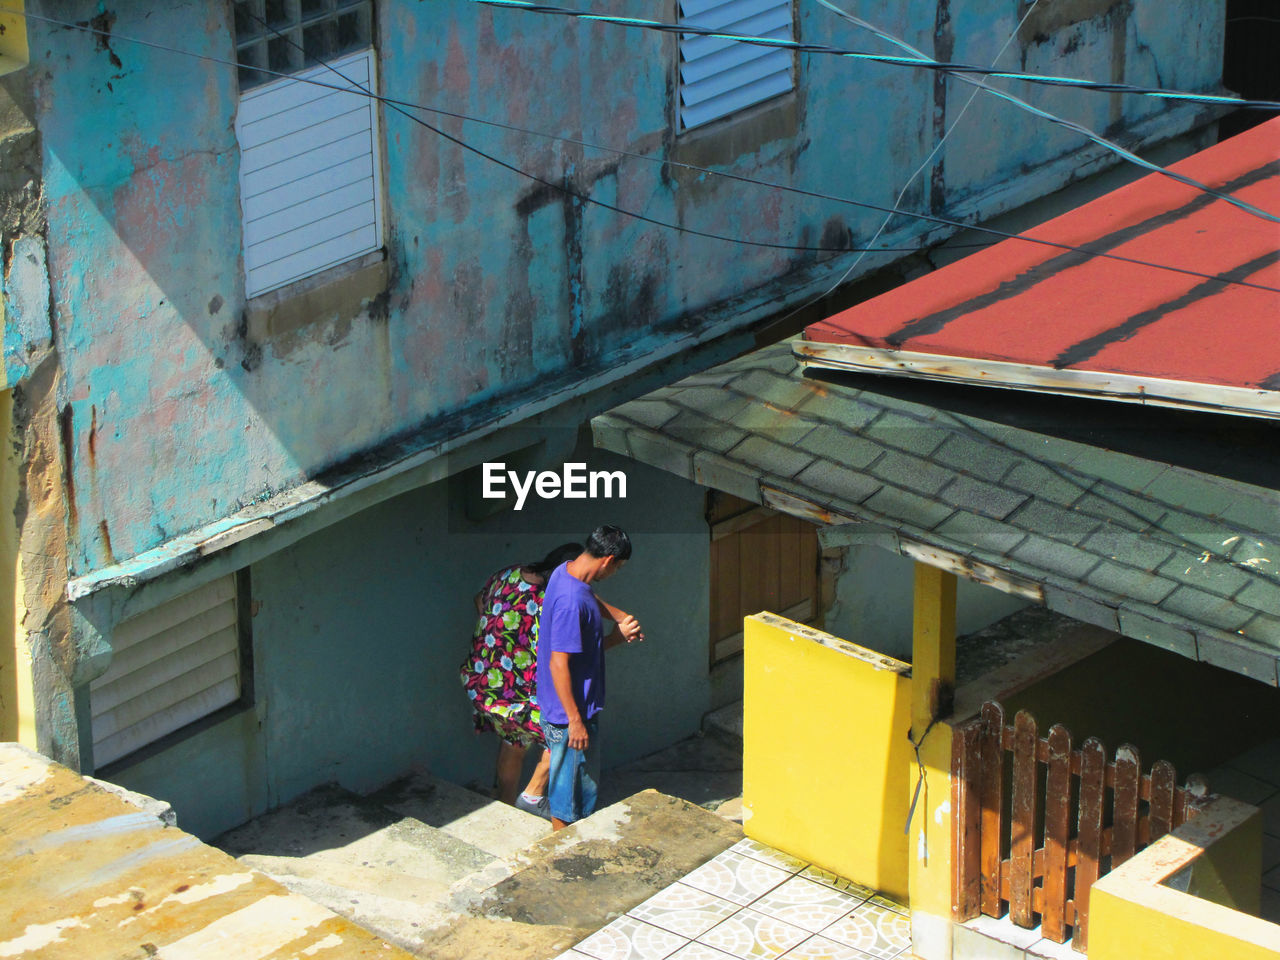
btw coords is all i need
(566, 551)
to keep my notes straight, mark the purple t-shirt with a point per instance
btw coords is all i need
(570, 623)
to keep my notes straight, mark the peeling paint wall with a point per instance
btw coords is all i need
(360, 630)
(40, 657)
(152, 399)
(179, 411)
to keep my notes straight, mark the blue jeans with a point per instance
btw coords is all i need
(571, 792)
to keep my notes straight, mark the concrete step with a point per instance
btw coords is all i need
(446, 873)
(87, 870)
(399, 908)
(569, 884)
(484, 823)
(705, 769)
(726, 725)
(388, 861)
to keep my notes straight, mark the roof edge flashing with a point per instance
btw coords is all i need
(1128, 388)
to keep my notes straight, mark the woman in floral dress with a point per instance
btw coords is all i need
(500, 671)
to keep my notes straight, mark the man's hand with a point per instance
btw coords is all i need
(577, 735)
(629, 627)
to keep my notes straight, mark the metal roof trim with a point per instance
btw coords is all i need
(1127, 388)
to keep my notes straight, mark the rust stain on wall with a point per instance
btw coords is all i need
(67, 436)
(106, 542)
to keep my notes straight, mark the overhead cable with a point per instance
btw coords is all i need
(897, 204)
(1054, 118)
(402, 107)
(802, 46)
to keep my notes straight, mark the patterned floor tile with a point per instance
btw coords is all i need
(630, 939)
(811, 906)
(685, 910)
(749, 935)
(700, 951)
(765, 854)
(820, 948)
(873, 930)
(837, 883)
(735, 877)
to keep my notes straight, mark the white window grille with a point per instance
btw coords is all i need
(718, 76)
(170, 666)
(310, 166)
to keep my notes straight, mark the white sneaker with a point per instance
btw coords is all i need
(539, 809)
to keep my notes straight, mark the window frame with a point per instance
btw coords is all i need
(356, 257)
(244, 702)
(752, 108)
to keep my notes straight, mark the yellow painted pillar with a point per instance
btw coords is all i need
(933, 647)
(933, 676)
(13, 36)
(17, 697)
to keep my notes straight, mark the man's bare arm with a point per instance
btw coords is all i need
(563, 682)
(627, 628)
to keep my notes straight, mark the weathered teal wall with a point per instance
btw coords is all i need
(500, 289)
(361, 627)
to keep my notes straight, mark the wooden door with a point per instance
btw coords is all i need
(760, 560)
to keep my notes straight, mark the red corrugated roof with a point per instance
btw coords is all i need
(1026, 314)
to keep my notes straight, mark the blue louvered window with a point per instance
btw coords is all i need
(310, 166)
(718, 76)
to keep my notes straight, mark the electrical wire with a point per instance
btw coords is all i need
(919, 59)
(801, 46)
(400, 107)
(897, 204)
(1247, 207)
(1054, 118)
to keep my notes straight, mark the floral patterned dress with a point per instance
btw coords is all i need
(500, 672)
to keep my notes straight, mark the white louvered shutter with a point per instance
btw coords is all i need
(171, 665)
(310, 173)
(718, 76)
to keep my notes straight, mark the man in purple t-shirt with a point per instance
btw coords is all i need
(571, 646)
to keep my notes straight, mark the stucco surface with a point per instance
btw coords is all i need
(360, 630)
(500, 287)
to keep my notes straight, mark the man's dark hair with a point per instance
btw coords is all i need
(561, 554)
(609, 541)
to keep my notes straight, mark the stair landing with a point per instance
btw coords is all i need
(446, 873)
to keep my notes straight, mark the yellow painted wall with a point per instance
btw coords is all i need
(825, 752)
(13, 36)
(17, 699)
(1173, 926)
(1133, 913)
(1229, 870)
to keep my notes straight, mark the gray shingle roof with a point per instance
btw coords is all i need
(1184, 560)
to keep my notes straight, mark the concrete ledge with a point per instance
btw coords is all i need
(86, 873)
(1190, 894)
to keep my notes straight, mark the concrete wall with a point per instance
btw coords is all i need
(1191, 894)
(825, 752)
(873, 601)
(179, 408)
(153, 399)
(360, 629)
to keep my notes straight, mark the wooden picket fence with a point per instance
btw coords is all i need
(1064, 818)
